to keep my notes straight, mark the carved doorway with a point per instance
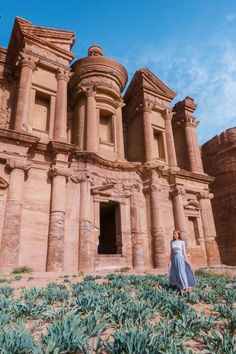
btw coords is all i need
(109, 228)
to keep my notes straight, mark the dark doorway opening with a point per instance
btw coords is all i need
(108, 228)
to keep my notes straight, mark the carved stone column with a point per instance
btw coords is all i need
(148, 133)
(177, 193)
(12, 221)
(60, 122)
(119, 129)
(157, 230)
(208, 226)
(28, 65)
(79, 122)
(136, 232)
(170, 139)
(194, 155)
(55, 260)
(86, 242)
(92, 126)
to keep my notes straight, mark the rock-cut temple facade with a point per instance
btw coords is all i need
(90, 178)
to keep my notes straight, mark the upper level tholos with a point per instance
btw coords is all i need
(96, 86)
(82, 104)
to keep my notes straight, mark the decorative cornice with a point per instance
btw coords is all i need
(60, 147)
(199, 177)
(117, 165)
(18, 136)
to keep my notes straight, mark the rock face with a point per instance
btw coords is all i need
(219, 159)
(91, 179)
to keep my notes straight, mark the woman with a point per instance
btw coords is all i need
(180, 272)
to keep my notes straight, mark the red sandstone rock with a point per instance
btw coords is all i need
(219, 159)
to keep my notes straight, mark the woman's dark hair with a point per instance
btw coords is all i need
(178, 232)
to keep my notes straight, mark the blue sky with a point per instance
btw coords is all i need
(190, 45)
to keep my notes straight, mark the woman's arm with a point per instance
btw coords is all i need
(171, 253)
(184, 251)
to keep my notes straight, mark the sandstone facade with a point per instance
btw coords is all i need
(91, 179)
(219, 159)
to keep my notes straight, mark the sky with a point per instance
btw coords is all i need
(188, 44)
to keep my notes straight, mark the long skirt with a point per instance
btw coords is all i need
(180, 273)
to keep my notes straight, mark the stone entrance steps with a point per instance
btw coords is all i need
(109, 261)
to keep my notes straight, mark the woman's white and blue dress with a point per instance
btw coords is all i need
(180, 272)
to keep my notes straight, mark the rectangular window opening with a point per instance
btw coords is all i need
(193, 230)
(159, 149)
(106, 127)
(41, 112)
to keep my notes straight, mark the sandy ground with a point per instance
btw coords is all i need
(37, 279)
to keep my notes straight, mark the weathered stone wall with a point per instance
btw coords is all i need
(219, 160)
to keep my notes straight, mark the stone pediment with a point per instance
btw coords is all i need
(62, 38)
(146, 82)
(23, 32)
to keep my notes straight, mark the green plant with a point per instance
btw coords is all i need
(16, 340)
(124, 269)
(23, 269)
(6, 291)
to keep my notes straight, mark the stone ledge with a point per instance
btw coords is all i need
(20, 136)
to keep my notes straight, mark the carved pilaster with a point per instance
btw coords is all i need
(119, 130)
(136, 226)
(148, 132)
(55, 260)
(170, 138)
(28, 65)
(177, 192)
(12, 221)
(156, 220)
(208, 225)
(60, 123)
(86, 240)
(190, 123)
(92, 128)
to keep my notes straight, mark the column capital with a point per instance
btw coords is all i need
(63, 74)
(136, 187)
(204, 195)
(189, 121)
(20, 164)
(91, 91)
(85, 177)
(121, 103)
(26, 60)
(155, 187)
(145, 107)
(59, 171)
(167, 113)
(177, 190)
